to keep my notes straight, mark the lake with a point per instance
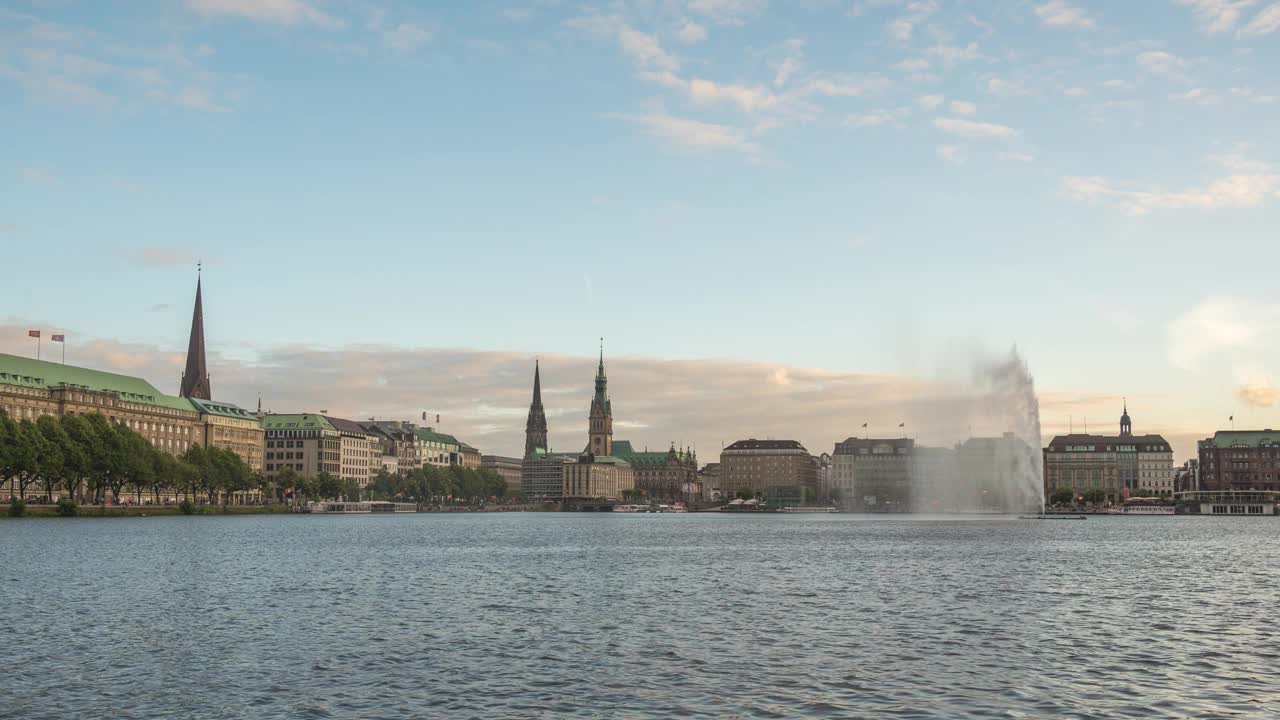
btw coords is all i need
(528, 615)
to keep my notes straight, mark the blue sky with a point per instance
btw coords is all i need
(856, 187)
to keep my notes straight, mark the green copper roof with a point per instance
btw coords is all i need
(25, 372)
(296, 422)
(624, 450)
(430, 436)
(610, 460)
(1245, 438)
(225, 409)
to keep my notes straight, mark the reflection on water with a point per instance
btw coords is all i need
(538, 615)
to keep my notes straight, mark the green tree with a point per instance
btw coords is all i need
(82, 466)
(53, 462)
(327, 486)
(20, 463)
(1062, 496)
(745, 493)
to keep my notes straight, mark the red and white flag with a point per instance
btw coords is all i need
(33, 333)
(58, 338)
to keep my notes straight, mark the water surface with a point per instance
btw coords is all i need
(638, 616)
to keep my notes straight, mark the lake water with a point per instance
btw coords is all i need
(638, 616)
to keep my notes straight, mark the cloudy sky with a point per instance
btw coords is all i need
(786, 218)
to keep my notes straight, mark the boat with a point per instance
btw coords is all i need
(1144, 510)
(333, 507)
(630, 508)
(807, 509)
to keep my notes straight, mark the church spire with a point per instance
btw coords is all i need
(535, 428)
(195, 379)
(1126, 425)
(600, 441)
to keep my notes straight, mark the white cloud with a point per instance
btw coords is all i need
(1004, 88)
(1059, 13)
(950, 153)
(785, 70)
(198, 99)
(902, 27)
(971, 129)
(1265, 22)
(1199, 96)
(1116, 84)
(930, 102)
(694, 133)
(876, 118)
(406, 37)
(961, 107)
(288, 12)
(1018, 157)
(748, 99)
(845, 85)
(727, 12)
(1075, 92)
(691, 32)
(913, 66)
(1218, 324)
(949, 55)
(1249, 184)
(643, 48)
(1159, 62)
(1217, 16)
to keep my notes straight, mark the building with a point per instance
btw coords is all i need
(309, 444)
(874, 475)
(228, 427)
(32, 388)
(542, 474)
(399, 444)
(757, 465)
(667, 475)
(535, 426)
(469, 457)
(823, 463)
(991, 474)
(709, 479)
(508, 468)
(597, 478)
(437, 449)
(1188, 476)
(933, 480)
(1115, 464)
(597, 474)
(359, 453)
(1240, 460)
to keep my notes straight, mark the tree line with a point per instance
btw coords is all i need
(85, 457)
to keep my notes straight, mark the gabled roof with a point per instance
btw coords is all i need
(43, 375)
(432, 436)
(347, 426)
(296, 422)
(225, 409)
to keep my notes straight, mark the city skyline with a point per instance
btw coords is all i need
(747, 199)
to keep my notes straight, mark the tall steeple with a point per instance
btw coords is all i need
(600, 441)
(195, 379)
(535, 428)
(1126, 425)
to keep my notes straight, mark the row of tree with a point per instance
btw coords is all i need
(436, 485)
(85, 457)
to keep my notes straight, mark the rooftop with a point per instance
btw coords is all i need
(1085, 439)
(302, 421)
(429, 435)
(1243, 438)
(225, 409)
(44, 375)
(753, 444)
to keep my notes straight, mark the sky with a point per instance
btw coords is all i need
(785, 218)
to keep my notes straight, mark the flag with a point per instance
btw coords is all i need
(1230, 419)
(33, 333)
(437, 418)
(58, 338)
(902, 424)
(864, 424)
